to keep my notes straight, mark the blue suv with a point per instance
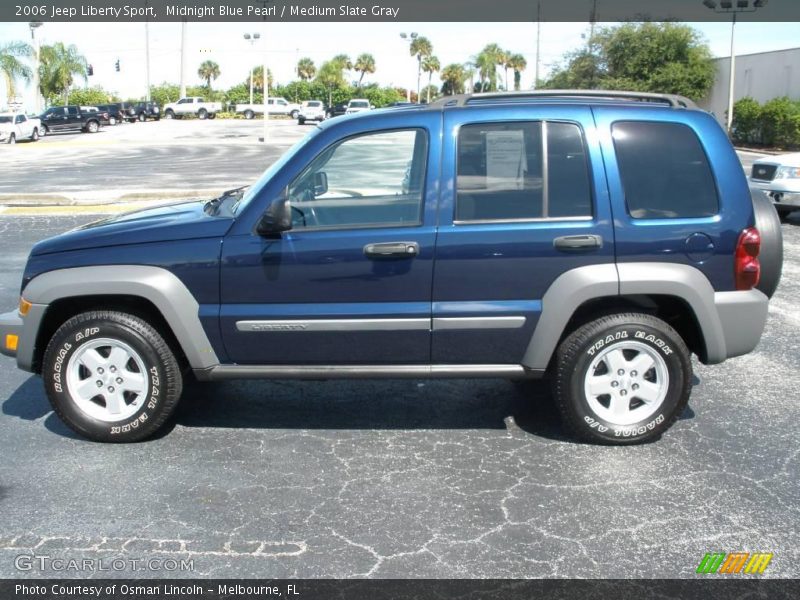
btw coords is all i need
(598, 238)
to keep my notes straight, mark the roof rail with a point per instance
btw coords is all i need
(672, 100)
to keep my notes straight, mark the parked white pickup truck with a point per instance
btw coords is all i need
(277, 106)
(17, 126)
(192, 105)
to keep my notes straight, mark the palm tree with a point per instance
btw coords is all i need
(12, 67)
(58, 66)
(330, 75)
(430, 64)
(421, 47)
(208, 70)
(502, 61)
(518, 63)
(487, 62)
(365, 63)
(306, 69)
(469, 72)
(453, 77)
(258, 77)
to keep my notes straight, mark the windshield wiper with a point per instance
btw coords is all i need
(212, 206)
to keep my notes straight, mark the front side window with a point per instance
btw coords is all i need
(664, 170)
(371, 180)
(521, 171)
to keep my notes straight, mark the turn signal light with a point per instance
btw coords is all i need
(24, 306)
(12, 341)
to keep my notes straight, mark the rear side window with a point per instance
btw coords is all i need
(521, 171)
(665, 172)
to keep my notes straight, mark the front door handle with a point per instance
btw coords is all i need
(572, 243)
(392, 250)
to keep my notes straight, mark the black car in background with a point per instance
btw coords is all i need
(118, 112)
(147, 110)
(336, 110)
(73, 118)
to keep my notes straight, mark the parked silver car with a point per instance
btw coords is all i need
(779, 176)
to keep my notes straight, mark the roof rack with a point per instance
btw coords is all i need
(672, 100)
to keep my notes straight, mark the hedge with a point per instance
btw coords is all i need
(774, 124)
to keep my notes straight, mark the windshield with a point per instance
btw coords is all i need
(5, 119)
(359, 104)
(314, 104)
(254, 189)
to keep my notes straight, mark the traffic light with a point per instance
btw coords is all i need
(116, 66)
(90, 71)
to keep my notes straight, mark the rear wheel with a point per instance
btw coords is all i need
(294, 114)
(202, 113)
(622, 379)
(142, 117)
(111, 377)
(93, 127)
(169, 114)
(35, 134)
(112, 121)
(12, 139)
(249, 114)
(783, 214)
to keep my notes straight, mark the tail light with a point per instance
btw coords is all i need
(747, 270)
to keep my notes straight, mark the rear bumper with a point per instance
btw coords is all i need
(11, 325)
(743, 316)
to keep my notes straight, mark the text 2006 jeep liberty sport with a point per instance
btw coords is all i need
(596, 237)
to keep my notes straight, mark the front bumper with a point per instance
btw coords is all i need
(11, 325)
(784, 193)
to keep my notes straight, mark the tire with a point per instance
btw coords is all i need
(202, 113)
(43, 131)
(112, 121)
(620, 416)
(142, 117)
(768, 223)
(212, 115)
(169, 114)
(92, 126)
(80, 351)
(783, 214)
(12, 139)
(294, 114)
(35, 135)
(301, 121)
(249, 114)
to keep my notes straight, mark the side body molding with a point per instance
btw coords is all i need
(169, 295)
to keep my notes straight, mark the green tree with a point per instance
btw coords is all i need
(646, 57)
(747, 121)
(58, 67)
(453, 77)
(365, 63)
(780, 122)
(430, 92)
(12, 66)
(331, 77)
(208, 70)
(258, 78)
(421, 47)
(91, 96)
(431, 65)
(306, 69)
(518, 64)
(486, 62)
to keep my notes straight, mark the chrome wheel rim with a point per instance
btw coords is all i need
(107, 379)
(626, 383)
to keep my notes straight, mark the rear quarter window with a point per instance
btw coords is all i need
(665, 171)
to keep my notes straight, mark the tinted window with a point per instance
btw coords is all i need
(502, 176)
(368, 180)
(665, 172)
(72, 111)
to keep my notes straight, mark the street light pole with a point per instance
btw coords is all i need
(411, 37)
(147, 56)
(182, 92)
(252, 39)
(733, 7)
(34, 25)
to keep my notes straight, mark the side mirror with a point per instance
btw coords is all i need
(277, 218)
(320, 183)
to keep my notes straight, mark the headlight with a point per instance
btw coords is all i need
(788, 173)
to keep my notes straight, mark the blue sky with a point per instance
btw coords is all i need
(104, 43)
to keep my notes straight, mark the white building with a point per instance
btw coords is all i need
(761, 76)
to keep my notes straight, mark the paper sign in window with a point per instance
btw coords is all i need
(506, 162)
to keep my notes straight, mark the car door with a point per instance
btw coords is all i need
(524, 200)
(55, 118)
(74, 118)
(21, 126)
(350, 283)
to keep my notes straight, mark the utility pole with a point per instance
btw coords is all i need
(147, 56)
(265, 138)
(538, 41)
(182, 92)
(34, 25)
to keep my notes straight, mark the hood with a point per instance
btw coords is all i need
(184, 220)
(786, 160)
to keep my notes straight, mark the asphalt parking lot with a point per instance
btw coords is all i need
(402, 478)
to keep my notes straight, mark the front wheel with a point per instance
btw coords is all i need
(249, 114)
(202, 114)
(111, 377)
(93, 127)
(12, 139)
(294, 114)
(169, 115)
(622, 379)
(142, 117)
(112, 121)
(35, 134)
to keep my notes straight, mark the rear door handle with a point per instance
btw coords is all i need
(392, 250)
(572, 243)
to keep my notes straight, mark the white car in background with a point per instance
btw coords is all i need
(779, 176)
(276, 106)
(311, 110)
(357, 105)
(17, 126)
(192, 105)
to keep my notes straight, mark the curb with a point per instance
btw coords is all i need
(760, 151)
